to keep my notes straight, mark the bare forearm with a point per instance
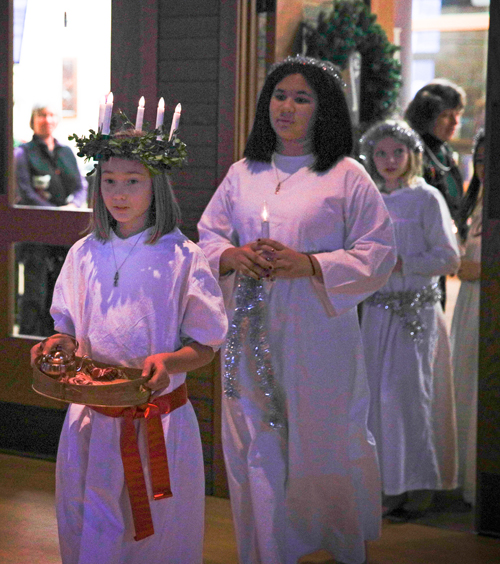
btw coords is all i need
(188, 358)
(160, 366)
(225, 261)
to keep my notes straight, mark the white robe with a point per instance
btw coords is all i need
(465, 354)
(165, 297)
(412, 412)
(318, 487)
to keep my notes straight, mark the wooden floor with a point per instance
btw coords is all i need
(28, 528)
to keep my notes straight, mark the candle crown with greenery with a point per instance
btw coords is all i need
(153, 149)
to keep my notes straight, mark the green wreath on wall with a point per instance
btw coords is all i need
(351, 27)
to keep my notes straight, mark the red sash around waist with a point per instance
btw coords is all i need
(158, 462)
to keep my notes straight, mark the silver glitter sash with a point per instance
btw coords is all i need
(249, 324)
(407, 305)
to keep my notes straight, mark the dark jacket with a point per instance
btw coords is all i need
(34, 159)
(441, 171)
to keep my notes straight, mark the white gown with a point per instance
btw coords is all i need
(465, 354)
(166, 295)
(317, 487)
(412, 412)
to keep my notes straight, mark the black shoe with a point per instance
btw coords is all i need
(402, 515)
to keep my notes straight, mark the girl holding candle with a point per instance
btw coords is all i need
(301, 464)
(135, 292)
(407, 348)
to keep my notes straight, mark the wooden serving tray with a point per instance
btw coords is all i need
(109, 394)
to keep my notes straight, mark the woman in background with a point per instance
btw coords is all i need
(435, 113)
(47, 174)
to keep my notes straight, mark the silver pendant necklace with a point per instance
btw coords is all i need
(280, 182)
(117, 271)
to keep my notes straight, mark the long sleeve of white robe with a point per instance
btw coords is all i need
(338, 216)
(439, 255)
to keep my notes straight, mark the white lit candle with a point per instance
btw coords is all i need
(264, 232)
(160, 113)
(140, 114)
(107, 114)
(102, 108)
(175, 120)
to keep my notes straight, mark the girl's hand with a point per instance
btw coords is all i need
(160, 366)
(246, 260)
(288, 263)
(469, 270)
(155, 366)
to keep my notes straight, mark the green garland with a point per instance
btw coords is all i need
(351, 27)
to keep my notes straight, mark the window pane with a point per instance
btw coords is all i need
(63, 62)
(37, 267)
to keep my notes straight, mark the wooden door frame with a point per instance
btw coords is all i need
(488, 422)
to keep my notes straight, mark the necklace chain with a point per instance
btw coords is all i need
(280, 182)
(117, 272)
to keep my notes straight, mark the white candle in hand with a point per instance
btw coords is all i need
(175, 120)
(102, 109)
(140, 114)
(264, 232)
(107, 114)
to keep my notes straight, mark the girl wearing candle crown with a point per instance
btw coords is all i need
(407, 348)
(135, 292)
(301, 463)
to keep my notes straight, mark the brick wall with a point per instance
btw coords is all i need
(196, 54)
(188, 72)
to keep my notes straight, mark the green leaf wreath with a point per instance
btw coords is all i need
(351, 27)
(153, 148)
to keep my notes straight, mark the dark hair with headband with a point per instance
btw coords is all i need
(331, 134)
